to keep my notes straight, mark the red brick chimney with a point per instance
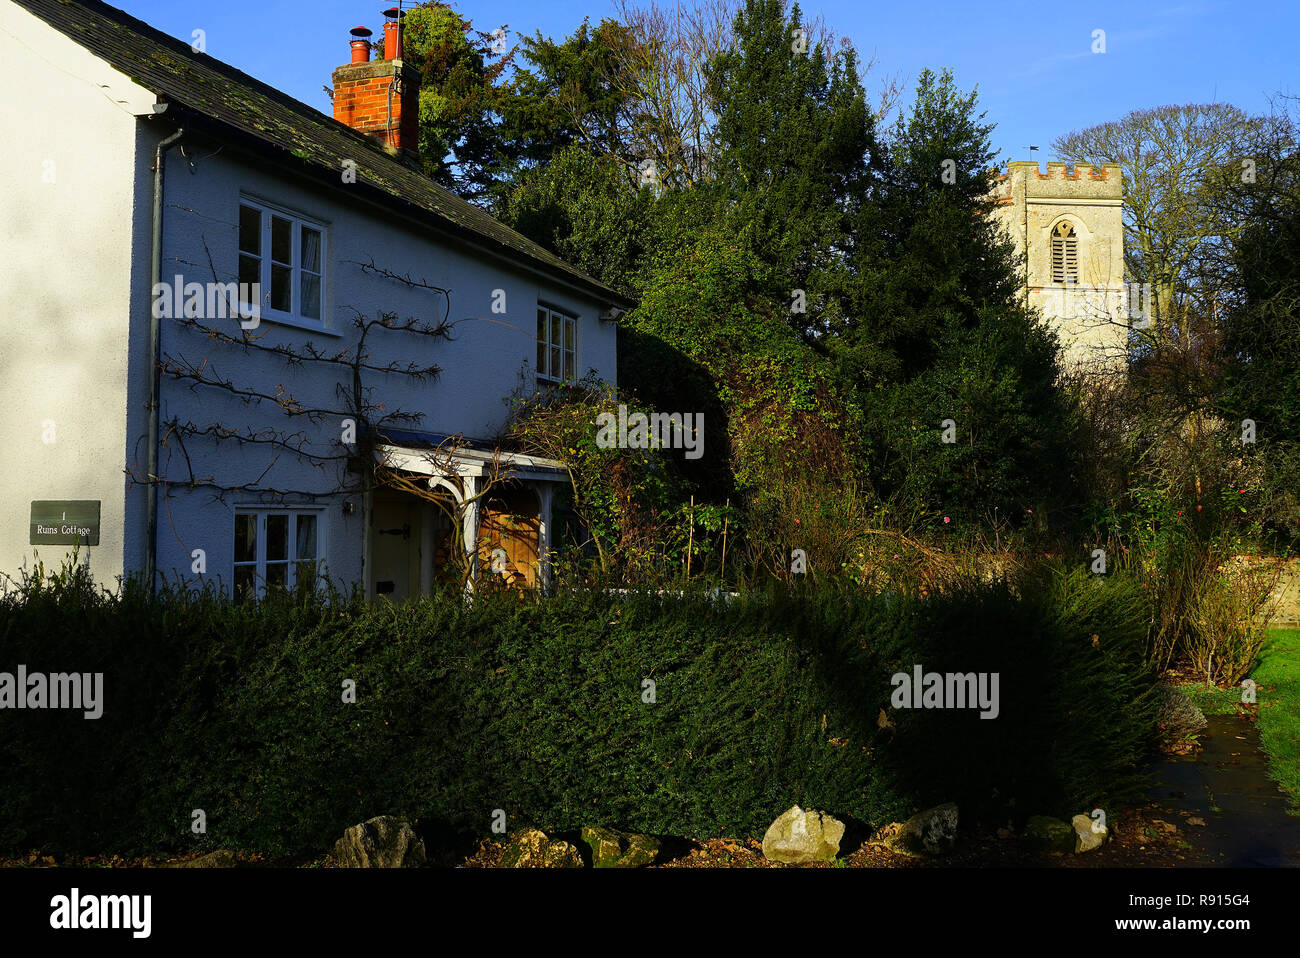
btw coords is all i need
(380, 97)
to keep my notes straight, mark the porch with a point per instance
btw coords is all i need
(458, 515)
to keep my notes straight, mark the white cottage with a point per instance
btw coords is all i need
(157, 418)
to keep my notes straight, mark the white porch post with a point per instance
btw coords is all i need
(545, 496)
(469, 528)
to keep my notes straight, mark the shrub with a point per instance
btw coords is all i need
(1229, 613)
(536, 705)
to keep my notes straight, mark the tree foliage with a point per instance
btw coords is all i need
(939, 333)
(1175, 160)
(461, 143)
(794, 140)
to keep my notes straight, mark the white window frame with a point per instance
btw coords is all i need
(294, 315)
(259, 563)
(567, 320)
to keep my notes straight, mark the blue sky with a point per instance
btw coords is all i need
(1032, 61)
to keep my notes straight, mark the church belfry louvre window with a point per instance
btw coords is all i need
(1065, 254)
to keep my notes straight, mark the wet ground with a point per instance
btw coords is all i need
(1226, 785)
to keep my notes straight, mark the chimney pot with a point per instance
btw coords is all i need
(361, 44)
(393, 33)
(392, 40)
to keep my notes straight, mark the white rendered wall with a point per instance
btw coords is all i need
(69, 250)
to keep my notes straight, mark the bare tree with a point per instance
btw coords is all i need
(1174, 160)
(677, 109)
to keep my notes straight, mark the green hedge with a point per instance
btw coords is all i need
(535, 706)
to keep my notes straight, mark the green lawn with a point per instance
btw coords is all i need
(1278, 679)
(1213, 700)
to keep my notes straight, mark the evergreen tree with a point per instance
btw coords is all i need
(585, 91)
(461, 144)
(938, 330)
(794, 139)
(582, 208)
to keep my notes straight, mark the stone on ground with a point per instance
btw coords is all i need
(531, 848)
(799, 836)
(614, 849)
(382, 842)
(1088, 834)
(931, 832)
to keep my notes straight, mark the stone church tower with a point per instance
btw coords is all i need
(1071, 223)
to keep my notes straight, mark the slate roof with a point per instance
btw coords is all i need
(267, 121)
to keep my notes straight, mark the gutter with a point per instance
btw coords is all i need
(155, 349)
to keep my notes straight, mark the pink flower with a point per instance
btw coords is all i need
(946, 519)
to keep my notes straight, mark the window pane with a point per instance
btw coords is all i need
(304, 573)
(311, 249)
(250, 230)
(277, 574)
(277, 538)
(250, 270)
(306, 537)
(541, 357)
(555, 361)
(246, 537)
(568, 333)
(555, 334)
(541, 325)
(310, 296)
(245, 582)
(281, 291)
(568, 365)
(281, 240)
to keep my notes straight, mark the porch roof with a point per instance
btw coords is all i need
(470, 462)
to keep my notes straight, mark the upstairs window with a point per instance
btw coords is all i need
(285, 254)
(1065, 254)
(557, 344)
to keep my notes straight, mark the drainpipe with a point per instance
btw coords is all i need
(367, 544)
(155, 351)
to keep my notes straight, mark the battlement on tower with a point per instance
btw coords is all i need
(1084, 181)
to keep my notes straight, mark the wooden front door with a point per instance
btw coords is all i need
(510, 523)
